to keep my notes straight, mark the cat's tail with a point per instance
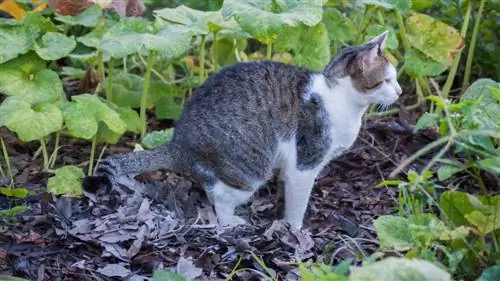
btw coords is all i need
(168, 156)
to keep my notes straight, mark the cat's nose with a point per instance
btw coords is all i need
(399, 90)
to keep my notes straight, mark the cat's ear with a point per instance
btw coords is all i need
(380, 40)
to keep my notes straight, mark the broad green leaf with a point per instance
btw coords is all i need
(10, 213)
(167, 99)
(27, 121)
(54, 46)
(266, 19)
(93, 38)
(487, 108)
(418, 65)
(490, 274)
(426, 228)
(38, 21)
(67, 181)
(84, 114)
(126, 37)
(419, 5)
(426, 120)
(199, 22)
(157, 138)
(224, 50)
(491, 164)
(164, 275)
(374, 30)
(29, 63)
(128, 115)
(73, 72)
(44, 86)
(170, 43)
(448, 168)
(17, 192)
(340, 28)
(90, 17)
(434, 38)
(297, 39)
(401, 6)
(394, 232)
(455, 205)
(16, 40)
(127, 89)
(484, 223)
(400, 269)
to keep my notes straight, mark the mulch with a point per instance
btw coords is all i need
(125, 236)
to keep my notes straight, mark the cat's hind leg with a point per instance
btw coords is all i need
(225, 199)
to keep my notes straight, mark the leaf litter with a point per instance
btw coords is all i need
(128, 235)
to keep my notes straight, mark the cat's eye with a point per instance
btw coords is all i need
(387, 80)
(374, 86)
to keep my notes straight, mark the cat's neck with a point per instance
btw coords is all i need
(338, 98)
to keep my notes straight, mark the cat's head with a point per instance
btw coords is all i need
(367, 72)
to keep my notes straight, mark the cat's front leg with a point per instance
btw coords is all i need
(298, 187)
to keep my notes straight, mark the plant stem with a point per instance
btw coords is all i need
(144, 98)
(109, 88)
(202, 58)
(453, 71)
(7, 163)
(53, 157)
(45, 155)
(92, 152)
(100, 61)
(402, 32)
(125, 70)
(269, 51)
(470, 53)
(213, 51)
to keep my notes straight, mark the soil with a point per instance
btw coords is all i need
(125, 236)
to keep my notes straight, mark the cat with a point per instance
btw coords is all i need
(253, 117)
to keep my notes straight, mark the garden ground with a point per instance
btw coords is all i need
(118, 236)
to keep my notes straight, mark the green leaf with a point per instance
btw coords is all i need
(93, 38)
(455, 205)
(10, 213)
(400, 269)
(340, 28)
(170, 43)
(55, 46)
(16, 40)
(264, 20)
(30, 122)
(167, 99)
(126, 37)
(84, 114)
(164, 275)
(426, 120)
(67, 181)
(491, 164)
(127, 90)
(401, 6)
(449, 168)
(490, 274)
(38, 21)
(15, 192)
(44, 86)
(484, 223)
(199, 22)
(486, 113)
(29, 63)
(157, 138)
(434, 38)
(224, 50)
(426, 228)
(313, 56)
(394, 232)
(90, 17)
(417, 65)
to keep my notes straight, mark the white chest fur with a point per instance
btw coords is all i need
(344, 113)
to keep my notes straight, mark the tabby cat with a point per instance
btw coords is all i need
(254, 117)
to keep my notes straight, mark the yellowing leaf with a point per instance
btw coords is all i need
(11, 7)
(67, 181)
